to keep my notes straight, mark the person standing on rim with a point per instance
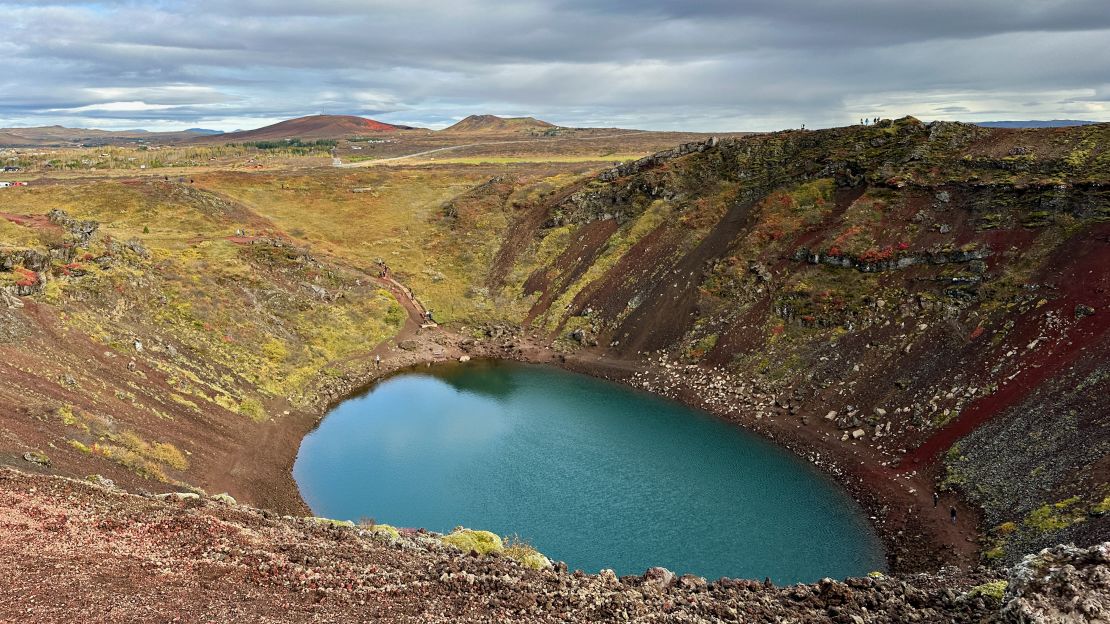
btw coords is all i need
(936, 499)
(952, 513)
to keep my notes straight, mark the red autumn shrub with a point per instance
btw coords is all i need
(25, 277)
(877, 255)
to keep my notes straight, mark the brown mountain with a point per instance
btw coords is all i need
(312, 127)
(493, 123)
(55, 136)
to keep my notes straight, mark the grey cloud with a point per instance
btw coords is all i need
(712, 64)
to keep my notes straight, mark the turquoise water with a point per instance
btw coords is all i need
(590, 472)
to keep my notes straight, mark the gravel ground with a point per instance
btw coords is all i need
(85, 551)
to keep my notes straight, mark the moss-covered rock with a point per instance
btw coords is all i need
(468, 540)
(384, 531)
(993, 590)
(341, 523)
(525, 554)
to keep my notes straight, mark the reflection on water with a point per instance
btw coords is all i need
(484, 377)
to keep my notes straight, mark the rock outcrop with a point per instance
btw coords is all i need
(1060, 585)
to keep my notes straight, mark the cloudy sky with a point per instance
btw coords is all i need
(658, 64)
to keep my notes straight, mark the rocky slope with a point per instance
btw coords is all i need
(933, 296)
(75, 547)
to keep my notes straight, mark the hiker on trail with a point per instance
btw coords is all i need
(936, 499)
(952, 512)
(378, 361)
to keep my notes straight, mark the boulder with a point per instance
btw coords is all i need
(660, 578)
(691, 582)
(177, 496)
(760, 271)
(37, 457)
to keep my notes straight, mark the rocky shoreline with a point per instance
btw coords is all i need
(120, 557)
(898, 505)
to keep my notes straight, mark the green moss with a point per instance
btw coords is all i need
(252, 409)
(38, 457)
(653, 216)
(1101, 508)
(69, 418)
(481, 542)
(1037, 218)
(275, 351)
(386, 531)
(1079, 155)
(702, 346)
(1056, 516)
(525, 554)
(994, 590)
(340, 523)
(995, 553)
(52, 292)
(131, 451)
(955, 467)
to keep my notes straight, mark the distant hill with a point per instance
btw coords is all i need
(10, 139)
(493, 123)
(204, 131)
(60, 136)
(1052, 123)
(313, 127)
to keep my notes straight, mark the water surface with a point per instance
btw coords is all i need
(590, 472)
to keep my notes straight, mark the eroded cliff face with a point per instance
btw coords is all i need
(937, 291)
